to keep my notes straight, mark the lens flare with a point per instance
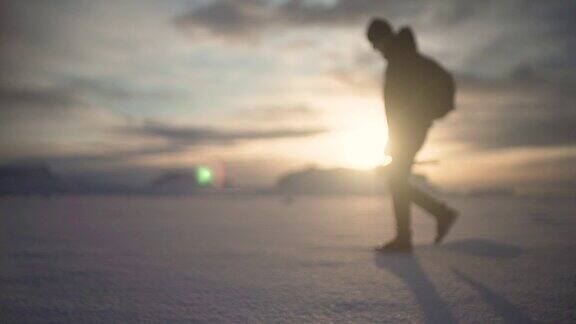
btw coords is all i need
(204, 176)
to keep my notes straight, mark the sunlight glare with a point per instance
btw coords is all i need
(363, 145)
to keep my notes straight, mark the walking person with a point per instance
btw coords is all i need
(417, 91)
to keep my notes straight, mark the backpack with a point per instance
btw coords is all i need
(439, 90)
(419, 81)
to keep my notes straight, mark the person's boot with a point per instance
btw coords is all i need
(399, 244)
(444, 222)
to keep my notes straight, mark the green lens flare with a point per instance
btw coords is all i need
(204, 176)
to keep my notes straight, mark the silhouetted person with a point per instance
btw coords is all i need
(417, 91)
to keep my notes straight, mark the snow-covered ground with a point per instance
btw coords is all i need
(260, 259)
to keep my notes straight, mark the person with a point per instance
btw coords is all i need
(409, 97)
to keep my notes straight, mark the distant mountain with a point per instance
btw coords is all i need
(314, 181)
(32, 179)
(340, 181)
(39, 179)
(176, 182)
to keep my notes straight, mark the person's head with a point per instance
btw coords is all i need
(379, 33)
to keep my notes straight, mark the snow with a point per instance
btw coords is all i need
(261, 259)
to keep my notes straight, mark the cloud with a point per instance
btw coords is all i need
(73, 69)
(507, 132)
(30, 104)
(51, 121)
(527, 109)
(108, 158)
(360, 73)
(192, 135)
(242, 17)
(502, 39)
(28, 97)
(278, 113)
(62, 129)
(238, 19)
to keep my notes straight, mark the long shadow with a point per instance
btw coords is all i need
(508, 311)
(408, 269)
(484, 248)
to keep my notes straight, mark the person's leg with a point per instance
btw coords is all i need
(405, 141)
(398, 173)
(426, 201)
(399, 190)
(409, 139)
(444, 215)
(400, 199)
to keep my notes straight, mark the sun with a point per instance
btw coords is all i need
(363, 144)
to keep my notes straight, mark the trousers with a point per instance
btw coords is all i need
(405, 140)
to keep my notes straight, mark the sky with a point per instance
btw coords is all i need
(263, 87)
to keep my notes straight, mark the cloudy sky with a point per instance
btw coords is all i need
(268, 86)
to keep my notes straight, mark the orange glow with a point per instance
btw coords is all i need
(363, 145)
